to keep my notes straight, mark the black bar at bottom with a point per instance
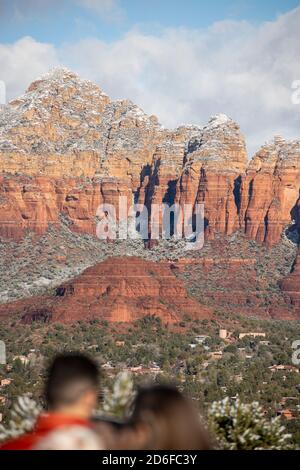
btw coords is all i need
(135, 459)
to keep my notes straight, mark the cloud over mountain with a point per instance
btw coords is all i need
(183, 75)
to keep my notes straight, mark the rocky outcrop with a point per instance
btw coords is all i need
(64, 130)
(63, 123)
(200, 165)
(32, 203)
(117, 290)
(158, 180)
(211, 174)
(270, 190)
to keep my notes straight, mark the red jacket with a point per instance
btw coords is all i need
(45, 424)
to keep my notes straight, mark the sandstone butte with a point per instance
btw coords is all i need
(66, 147)
(117, 290)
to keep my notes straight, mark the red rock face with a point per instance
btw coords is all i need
(270, 190)
(211, 173)
(65, 127)
(32, 203)
(117, 290)
(202, 165)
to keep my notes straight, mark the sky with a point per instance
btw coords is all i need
(180, 60)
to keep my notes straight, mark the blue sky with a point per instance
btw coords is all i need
(70, 20)
(180, 60)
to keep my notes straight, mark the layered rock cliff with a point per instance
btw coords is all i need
(270, 190)
(66, 148)
(64, 128)
(211, 174)
(30, 204)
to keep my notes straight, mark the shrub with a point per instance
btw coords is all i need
(239, 426)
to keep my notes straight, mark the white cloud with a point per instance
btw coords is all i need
(106, 9)
(22, 62)
(19, 10)
(184, 76)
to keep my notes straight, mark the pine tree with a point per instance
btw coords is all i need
(23, 417)
(117, 402)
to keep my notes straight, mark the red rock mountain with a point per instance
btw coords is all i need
(66, 148)
(117, 290)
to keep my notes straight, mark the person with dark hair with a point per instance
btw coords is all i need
(163, 419)
(169, 420)
(71, 385)
(71, 395)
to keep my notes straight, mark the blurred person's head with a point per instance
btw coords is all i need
(71, 386)
(166, 420)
